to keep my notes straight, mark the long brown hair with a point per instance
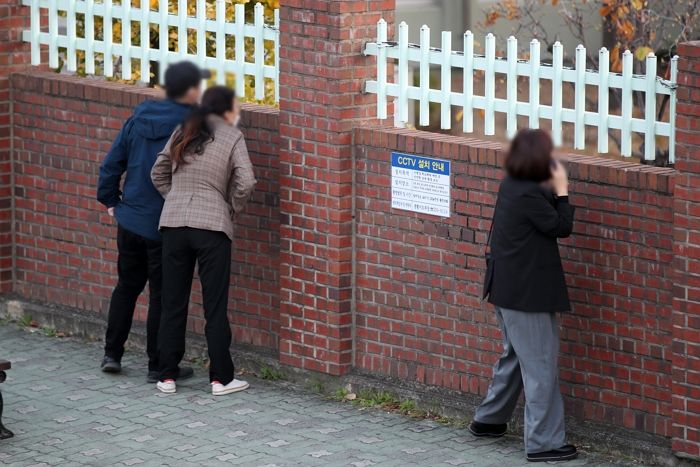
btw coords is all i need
(195, 133)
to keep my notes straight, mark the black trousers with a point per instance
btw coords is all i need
(211, 251)
(140, 261)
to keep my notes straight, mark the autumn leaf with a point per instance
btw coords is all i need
(608, 9)
(642, 52)
(491, 17)
(638, 4)
(512, 9)
(615, 61)
(627, 29)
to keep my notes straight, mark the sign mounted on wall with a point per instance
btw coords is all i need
(420, 184)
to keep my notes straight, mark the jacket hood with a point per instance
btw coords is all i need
(156, 119)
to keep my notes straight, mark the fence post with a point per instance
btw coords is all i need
(322, 73)
(13, 54)
(686, 248)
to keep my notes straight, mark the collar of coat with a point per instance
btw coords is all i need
(217, 120)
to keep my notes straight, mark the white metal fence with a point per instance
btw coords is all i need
(125, 14)
(512, 67)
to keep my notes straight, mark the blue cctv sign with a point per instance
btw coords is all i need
(420, 163)
(420, 184)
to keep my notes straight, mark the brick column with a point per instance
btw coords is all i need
(13, 55)
(322, 74)
(686, 296)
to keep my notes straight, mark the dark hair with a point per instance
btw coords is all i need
(182, 76)
(530, 156)
(196, 132)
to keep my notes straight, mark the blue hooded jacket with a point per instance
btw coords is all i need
(137, 209)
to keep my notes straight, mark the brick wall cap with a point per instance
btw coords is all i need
(29, 80)
(609, 171)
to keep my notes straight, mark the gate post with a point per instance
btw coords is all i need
(14, 54)
(322, 74)
(686, 249)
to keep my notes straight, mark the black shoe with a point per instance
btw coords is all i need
(487, 430)
(110, 365)
(5, 433)
(564, 453)
(185, 373)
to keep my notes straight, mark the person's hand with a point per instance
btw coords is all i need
(560, 179)
(110, 211)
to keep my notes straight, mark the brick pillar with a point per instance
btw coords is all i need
(13, 55)
(686, 296)
(322, 74)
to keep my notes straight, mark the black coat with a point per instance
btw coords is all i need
(525, 272)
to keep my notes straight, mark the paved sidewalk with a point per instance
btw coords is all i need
(64, 411)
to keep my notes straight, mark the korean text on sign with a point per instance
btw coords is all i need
(420, 184)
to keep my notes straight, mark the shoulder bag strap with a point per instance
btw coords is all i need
(488, 239)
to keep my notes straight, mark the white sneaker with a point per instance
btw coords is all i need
(236, 385)
(167, 386)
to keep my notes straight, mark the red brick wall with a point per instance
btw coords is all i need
(322, 73)
(686, 303)
(13, 55)
(65, 247)
(419, 278)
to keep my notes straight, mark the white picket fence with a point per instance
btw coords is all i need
(512, 67)
(126, 14)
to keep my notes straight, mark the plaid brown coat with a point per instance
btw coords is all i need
(212, 187)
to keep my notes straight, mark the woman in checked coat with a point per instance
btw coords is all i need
(206, 177)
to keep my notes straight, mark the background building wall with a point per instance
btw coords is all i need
(461, 15)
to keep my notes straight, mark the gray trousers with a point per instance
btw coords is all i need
(529, 360)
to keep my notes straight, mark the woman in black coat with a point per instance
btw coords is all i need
(525, 282)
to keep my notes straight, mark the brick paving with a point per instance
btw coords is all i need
(64, 411)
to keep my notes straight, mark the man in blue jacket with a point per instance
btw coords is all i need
(137, 209)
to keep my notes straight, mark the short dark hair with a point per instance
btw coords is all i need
(530, 156)
(180, 77)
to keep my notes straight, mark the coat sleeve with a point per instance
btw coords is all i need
(242, 181)
(555, 221)
(113, 167)
(162, 171)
